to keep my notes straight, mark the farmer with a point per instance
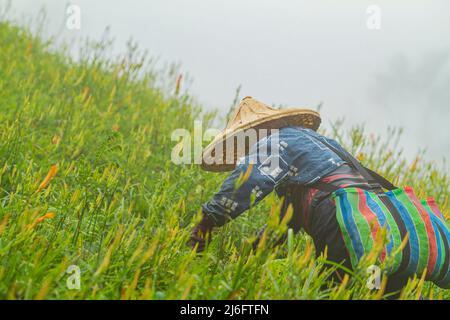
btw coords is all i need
(304, 168)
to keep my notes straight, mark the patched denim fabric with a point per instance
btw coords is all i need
(289, 156)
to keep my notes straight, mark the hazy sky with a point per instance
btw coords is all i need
(295, 53)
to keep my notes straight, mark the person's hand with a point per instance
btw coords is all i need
(201, 233)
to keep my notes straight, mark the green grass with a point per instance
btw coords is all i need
(117, 206)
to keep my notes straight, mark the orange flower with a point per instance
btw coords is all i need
(48, 178)
(56, 139)
(360, 156)
(48, 215)
(178, 84)
(29, 47)
(115, 127)
(413, 166)
(85, 93)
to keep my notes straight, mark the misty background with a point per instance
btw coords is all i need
(292, 53)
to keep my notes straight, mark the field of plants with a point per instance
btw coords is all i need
(86, 180)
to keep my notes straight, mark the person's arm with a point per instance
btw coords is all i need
(254, 177)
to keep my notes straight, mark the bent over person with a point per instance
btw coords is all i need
(338, 202)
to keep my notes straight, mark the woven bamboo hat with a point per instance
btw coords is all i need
(251, 114)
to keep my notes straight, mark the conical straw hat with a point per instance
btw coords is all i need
(251, 114)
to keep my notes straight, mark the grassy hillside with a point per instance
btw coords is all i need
(86, 179)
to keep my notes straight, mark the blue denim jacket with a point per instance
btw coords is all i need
(292, 155)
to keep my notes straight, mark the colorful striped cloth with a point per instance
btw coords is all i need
(361, 214)
(343, 176)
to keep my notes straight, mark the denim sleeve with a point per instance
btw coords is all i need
(255, 176)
